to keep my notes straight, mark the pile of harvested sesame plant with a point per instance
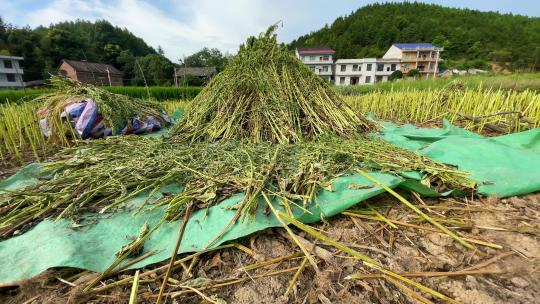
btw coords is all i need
(267, 94)
(285, 135)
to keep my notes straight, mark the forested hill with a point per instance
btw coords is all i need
(469, 37)
(43, 48)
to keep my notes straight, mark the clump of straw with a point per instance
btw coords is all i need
(117, 110)
(267, 94)
(112, 171)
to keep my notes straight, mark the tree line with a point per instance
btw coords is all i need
(470, 38)
(43, 49)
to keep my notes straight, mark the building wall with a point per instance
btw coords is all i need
(423, 61)
(321, 64)
(393, 53)
(426, 61)
(67, 70)
(326, 70)
(14, 70)
(316, 59)
(367, 71)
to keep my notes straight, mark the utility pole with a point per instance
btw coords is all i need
(437, 55)
(144, 78)
(109, 76)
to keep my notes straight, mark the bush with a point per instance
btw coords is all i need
(395, 75)
(413, 73)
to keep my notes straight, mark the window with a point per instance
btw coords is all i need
(341, 80)
(380, 67)
(368, 78)
(378, 78)
(368, 68)
(355, 67)
(325, 68)
(393, 67)
(312, 58)
(407, 55)
(8, 64)
(343, 68)
(10, 77)
(388, 69)
(325, 58)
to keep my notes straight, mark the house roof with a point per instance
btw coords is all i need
(92, 67)
(414, 46)
(315, 51)
(196, 71)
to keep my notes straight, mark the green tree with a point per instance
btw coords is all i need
(465, 35)
(500, 55)
(207, 58)
(155, 69)
(43, 48)
(111, 53)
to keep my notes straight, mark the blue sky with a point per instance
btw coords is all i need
(184, 27)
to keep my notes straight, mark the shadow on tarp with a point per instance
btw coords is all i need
(502, 166)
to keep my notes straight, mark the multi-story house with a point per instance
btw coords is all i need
(423, 57)
(320, 60)
(10, 72)
(364, 71)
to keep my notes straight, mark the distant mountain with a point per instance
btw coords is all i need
(469, 37)
(44, 47)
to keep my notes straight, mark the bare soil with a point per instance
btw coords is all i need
(510, 274)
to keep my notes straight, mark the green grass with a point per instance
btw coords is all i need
(515, 81)
(157, 93)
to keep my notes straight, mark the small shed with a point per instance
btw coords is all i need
(203, 73)
(99, 74)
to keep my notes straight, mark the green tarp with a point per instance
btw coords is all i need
(93, 247)
(503, 166)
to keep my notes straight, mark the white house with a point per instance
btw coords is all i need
(424, 57)
(10, 72)
(365, 70)
(320, 60)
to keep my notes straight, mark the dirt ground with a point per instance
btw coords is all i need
(507, 274)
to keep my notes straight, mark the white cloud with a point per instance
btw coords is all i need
(182, 28)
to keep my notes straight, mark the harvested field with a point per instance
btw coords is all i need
(481, 110)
